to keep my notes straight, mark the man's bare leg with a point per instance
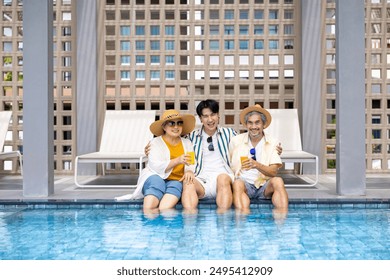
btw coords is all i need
(224, 192)
(276, 189)
(241, 200)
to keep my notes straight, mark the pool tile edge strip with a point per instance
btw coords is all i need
(372, 203)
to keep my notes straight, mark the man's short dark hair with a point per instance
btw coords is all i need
(208, 103)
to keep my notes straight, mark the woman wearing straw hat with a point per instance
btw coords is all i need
(160, 183)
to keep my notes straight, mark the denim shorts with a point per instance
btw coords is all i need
(157, 186)
(253, 192)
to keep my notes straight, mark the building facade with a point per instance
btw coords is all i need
(164, 54)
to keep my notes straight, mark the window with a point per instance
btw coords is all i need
(125, 30)
(140, 75)
(229, 60)
(273, 29)
(288, 44)
(244, 29)
(376, 73)
(125, 60)
(169, 74)
(214, 75)
(244, 44)
(140, 45)
(259, 74)
(66, 16)
(155, 59)
(214, 14)
(169, 59)
(258, 30)
(288, 29)
(214, 45)
(273, 44)
(154, 30)
(199, 30)
(229, 14)
(199, 75)
(155, 75)
(140, 30)
(140, 60)
(155, 45)
(273, 74)
(155, 14)
(214, 60)
(244, 74)
(288, 74)
(169, 15)
(199, 60)
(169, 45)
(244, 14)
(259, 44)
(289, 59)
(273, 59)
(376, 119)
(229, 30)
(125, 75)
(288, 14)
(7, 46)
(7, 31)
(273, 14)
(259, 14)
(258, 59)
(125, 45)
(244, 60)
(376, 133)
(140, 15)
(229, 44)
(375, 43)
(214, 30)
(170, 30)
(376, 28)
(229, 75)
(199, 15)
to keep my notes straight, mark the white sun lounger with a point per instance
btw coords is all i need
(5, 117)
(285, 128)
(124, 137)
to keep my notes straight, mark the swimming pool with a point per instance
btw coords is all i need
(123, 232)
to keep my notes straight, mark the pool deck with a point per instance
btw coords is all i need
(11, 191)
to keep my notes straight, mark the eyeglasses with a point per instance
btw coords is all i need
(253, 153)
(210, 141)
(172, 123)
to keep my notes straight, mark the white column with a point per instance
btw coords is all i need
(86, 94)
(310, 109)
(38, 132)
(350, 98)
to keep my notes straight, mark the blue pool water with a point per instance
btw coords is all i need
(100, 233)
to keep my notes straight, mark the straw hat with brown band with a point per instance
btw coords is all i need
(256, 108)
(169, 115)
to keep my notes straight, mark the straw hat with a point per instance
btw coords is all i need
(169, 115)
(256, 108)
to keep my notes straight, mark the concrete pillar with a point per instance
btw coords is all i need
(350, 98)
(38, 132)
(86, 104)
(310, 109)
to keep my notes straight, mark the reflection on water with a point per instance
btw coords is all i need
(98, 233)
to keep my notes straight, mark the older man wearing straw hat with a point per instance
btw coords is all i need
(255, 162)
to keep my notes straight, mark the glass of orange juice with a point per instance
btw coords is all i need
(243, 158)
(192, 157)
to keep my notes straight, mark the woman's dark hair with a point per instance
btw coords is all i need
(208, 103)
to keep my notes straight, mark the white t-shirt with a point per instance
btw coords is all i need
(212, 160)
